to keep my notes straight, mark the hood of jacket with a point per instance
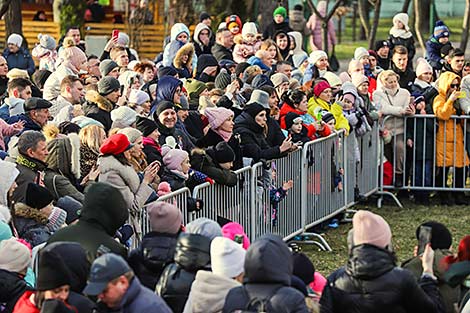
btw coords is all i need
(245, 121)
(101, 102)
(104, 205)
(445, 80)
(254, 60)
(16, 105)
(186, 49)
(64, 156)
(77, 263)
(9, 174)
(368, 262)
(166, 89)
(298, 42)
(27, 212)
(200, 27)
(284, 52)
(177, 29)
(209, 290)
(126, 173)
(192, 251)
(268, 260)
(349, 87)
(157, 250)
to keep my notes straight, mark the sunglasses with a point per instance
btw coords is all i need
(454, 85)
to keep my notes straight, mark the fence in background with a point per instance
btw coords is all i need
(325, 175)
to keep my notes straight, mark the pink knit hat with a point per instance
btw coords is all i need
(172, 158)
(232, 229)
(422, 67)
(217, 116)
(320, 87)
(164, 217)
(371, 229)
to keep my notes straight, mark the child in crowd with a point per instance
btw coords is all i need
(234, 24)
(439, 39)
(277, 194)
(318, 66)
(298, 132)
(45, 52)
(400, 35)
(246, 45)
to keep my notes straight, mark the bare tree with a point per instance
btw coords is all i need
(375, 24)
(363, 10)
(466, 26)
(418, 22)
(11, 9)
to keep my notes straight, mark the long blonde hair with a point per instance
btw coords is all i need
(265, 45)
(92, 137)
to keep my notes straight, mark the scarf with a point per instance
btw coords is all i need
(224, 134)
(150, 142)
(180, 174)
(400, 33)
(30, 163)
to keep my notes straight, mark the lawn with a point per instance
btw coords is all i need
(345, 50)
(403, 223)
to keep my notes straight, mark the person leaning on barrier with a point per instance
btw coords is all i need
(450, 151)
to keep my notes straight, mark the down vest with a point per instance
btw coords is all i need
(371, 282)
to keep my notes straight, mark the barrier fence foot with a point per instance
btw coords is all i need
(320, 242)
(387, 193)
(348, 215)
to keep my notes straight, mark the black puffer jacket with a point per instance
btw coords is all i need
(268, 270)
(192, 254)
(371, 282)
(104, 211)
(253, 141)
(150, 258)
(212, 139)
(204, 162)
(12, 287)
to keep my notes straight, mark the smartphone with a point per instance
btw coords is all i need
(233, 77)
(462, 95)
(115, 33)
(424, 238)
(412, 100)
(238, 239)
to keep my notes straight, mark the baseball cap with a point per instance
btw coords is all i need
(104, 269)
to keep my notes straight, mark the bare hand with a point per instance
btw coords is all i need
(286, 144)
(94, 173)
(287, 185)
(233, 87)
(210, 70)
(454, 95)
(150, 172)
(18, 125)
(409, 143)
(110, 44)
(410, 110)
(428, 259)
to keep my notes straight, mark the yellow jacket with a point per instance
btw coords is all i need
(335, 109)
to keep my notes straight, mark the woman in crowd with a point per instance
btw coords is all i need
(91, 138)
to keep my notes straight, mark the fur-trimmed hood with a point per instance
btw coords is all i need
(126, 173)
(64, 156)
(94, 97)
(24, 211)
(186, 49)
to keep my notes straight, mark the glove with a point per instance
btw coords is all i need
(209, 180)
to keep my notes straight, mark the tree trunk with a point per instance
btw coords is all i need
(466, 26)
(364, 18)
(11, 10)
(405, 6)
(375, 23)
(418, 22)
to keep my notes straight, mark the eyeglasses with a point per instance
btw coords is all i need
(454, 85)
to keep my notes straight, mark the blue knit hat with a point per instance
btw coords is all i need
(440, 30)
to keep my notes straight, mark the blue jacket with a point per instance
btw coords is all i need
(138, 299)
(21, 59)
(165, 90)
(29, 123)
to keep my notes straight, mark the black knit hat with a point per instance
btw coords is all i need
(441, 237)
(166, 71)
(289, 119)
(241, 67)
(303, 267)
(326, 116)
(223, 153)
(254, 109)
(145, 125)
(52, 272)
(222, 80)
(37, 196)
(204, 16)
(67, 127)
(162, 106)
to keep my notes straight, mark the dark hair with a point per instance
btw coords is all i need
(19, 83)
(293, 97)
(70, 28)
(122, 159)
(269, 89)
(69, 81)
(283, 62)
(92, 57)
(457, 52)
(400, 50)
(298, 7)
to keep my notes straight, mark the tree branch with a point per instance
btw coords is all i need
(4, 8)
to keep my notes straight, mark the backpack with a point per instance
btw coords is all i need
(258, 304)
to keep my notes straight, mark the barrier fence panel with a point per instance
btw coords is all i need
(286, 215)
(368, 172)
(232, 203)
(427, 154)
(178, 198)
(321, 176)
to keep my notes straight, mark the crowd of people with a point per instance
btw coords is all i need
(89, 141)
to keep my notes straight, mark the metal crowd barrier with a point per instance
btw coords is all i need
(436, 160)
(317, 171)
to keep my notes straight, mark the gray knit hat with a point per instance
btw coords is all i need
(47, 42)
(106, 66)
(279, 78)
(205, 227)
(222, 80)
(108, 84)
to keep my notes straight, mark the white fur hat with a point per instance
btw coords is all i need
(15, 39)
(316, 55)
(360, 52)
(227, 257)
(249, 28)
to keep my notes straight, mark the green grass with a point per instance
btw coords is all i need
(345, 50)
(403, 223)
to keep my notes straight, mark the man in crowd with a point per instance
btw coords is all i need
(455, 61)
(19, 90)
(222, 48)
(71, 93)
(400, 66)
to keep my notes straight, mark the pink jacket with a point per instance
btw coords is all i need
(6, 130)
(314, 26)
(243, 51)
